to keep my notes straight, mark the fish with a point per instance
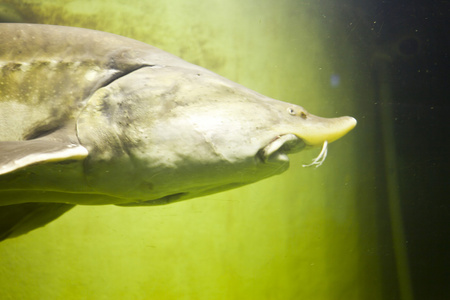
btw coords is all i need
(93, 118)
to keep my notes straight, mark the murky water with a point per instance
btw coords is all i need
(367, 224)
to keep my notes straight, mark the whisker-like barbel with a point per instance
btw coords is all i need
(318, 161)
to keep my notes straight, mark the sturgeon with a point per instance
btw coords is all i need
(93, 118)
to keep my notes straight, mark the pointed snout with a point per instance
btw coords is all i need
(317, 130)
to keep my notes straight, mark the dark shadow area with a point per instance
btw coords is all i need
(412, 39)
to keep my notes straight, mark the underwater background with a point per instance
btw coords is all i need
(371, 223)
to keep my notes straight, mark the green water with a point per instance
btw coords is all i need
(306, 234)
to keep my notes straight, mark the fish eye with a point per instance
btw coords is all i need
(291, 111)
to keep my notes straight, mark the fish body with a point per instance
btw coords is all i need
(88, 117)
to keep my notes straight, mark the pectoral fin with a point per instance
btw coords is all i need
(19, 219)
(57, 146)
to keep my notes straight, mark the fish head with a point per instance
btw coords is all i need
(162, 134)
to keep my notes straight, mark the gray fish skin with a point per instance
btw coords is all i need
(49, 72)
(91, 118)
(39, 64)
(47, 75)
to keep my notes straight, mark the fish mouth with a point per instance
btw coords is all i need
(279, 148)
